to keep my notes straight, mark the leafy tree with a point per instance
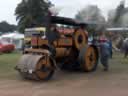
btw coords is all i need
(124, 19)
(118, 14)
(110, 19)
(32, 13)
(6, 27)
(118, 17)
(92, 15)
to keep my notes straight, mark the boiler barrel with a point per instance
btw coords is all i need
(62, 52)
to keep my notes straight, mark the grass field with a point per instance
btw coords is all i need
(8, 63)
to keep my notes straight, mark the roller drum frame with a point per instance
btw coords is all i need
(35, 67)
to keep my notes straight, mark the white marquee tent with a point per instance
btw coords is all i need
(14, 38)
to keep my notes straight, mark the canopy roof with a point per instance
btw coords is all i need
(67, 21)
(13, 36)
(118, 29)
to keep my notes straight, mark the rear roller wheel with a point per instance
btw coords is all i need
(80, 39)
(88, 58)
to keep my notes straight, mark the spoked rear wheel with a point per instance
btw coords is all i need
(88, 58)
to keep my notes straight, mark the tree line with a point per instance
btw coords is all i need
(116, 17)
(31, 13)
(35, 13)
(6, 27)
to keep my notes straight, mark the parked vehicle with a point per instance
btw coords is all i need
(5, 47)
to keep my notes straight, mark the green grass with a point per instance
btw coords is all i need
(7, 64)
(120, 58)
(9, 61)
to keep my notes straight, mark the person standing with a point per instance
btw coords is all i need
(110, 48)
(104, 52)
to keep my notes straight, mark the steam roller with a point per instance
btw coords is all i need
(60, 47)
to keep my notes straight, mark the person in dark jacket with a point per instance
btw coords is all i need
(110, 48)
(104, 52)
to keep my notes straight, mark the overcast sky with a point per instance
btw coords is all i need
(68, 7)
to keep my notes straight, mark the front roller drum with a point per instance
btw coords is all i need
(88, 58)
(36, 67)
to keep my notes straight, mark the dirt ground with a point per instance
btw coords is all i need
(99, 83)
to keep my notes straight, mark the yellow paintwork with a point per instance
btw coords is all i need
(37, 29)
(27, 39)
